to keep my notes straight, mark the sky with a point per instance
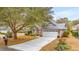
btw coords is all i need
(72, 13)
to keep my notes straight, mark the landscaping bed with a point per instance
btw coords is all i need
(72, 42)
(21, 39)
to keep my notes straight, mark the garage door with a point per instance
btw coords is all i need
(50, 34)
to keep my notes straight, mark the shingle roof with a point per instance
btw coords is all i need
(57, 26)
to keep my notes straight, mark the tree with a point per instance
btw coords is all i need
(75, 22)
(14, 18)
(69, 28)
(62, 20)
(18, 18)
(39, 17)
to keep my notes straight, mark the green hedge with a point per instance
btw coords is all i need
(66, 33)
(75, 33)
(29, 33)
(9, 34)
(2, 33)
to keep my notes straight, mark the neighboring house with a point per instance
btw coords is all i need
(4, 29)
(76, 27)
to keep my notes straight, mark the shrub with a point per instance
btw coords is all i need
(62, 45)
(2, 33)
(75, 33)
(30, 33)
(9, 34)
(26, 33)
(66, 33)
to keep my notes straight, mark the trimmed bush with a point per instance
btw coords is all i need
(75, 33)
(9, 34)
(62, 45)
(28, 33)
(31, 33)
(66, 33)
(2, 33)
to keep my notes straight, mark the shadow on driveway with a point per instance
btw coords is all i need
(8, 49)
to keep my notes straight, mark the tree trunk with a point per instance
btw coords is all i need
(37, 30)
(58, 32)
(41, 32)
(15, 35)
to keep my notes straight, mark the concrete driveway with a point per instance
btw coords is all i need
(34, 45)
